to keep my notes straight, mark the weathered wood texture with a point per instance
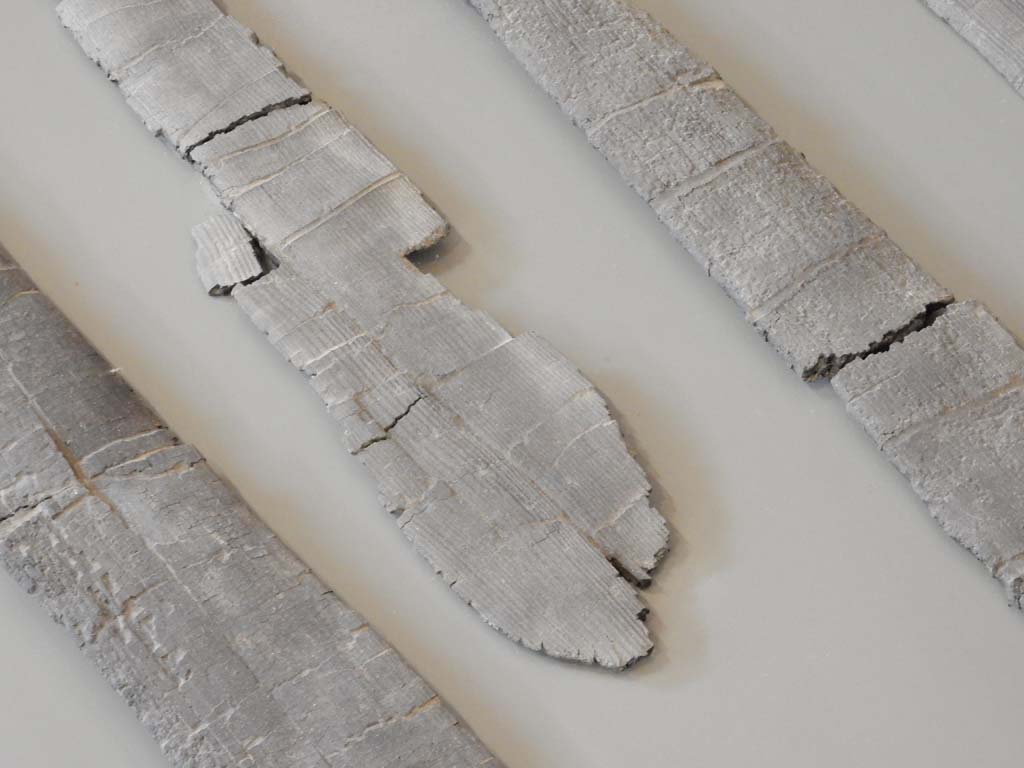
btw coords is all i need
(500, 461)
(994, 27)
(947, 407)
(188, 70)
(826, 286)
(229, 649)
(225, 255)
(781, 241)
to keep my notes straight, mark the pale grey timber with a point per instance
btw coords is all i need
(994, 27)
(225, 255)
(822, 283)
(499, 460)
(230, 651)
(946, 405)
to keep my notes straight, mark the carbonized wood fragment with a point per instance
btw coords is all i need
(231, 652)
(947, 407)
(499, 460)
(994, 27)
(812, 273)
(225, 255)
(500, 541)
(188, 70)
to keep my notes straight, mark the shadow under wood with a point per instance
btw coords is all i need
(697, 531)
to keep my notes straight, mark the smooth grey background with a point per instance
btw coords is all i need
(811, 613)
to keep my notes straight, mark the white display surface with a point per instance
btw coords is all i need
(811, 613)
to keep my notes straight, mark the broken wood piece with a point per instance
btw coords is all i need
(225, 255)
(304, 181)
(229, 649)
(498, 540)
(946, 405)
(812, 273)
(316, 192)
(499, 459)
(995, 28)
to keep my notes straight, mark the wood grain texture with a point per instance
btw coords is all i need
(499, 459)
(994, 27)
(947, 407)
(225, 255)
(812, 273)
(446, 410)
(230, 651)
(188, 70)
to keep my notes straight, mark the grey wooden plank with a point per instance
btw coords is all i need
(500, 461)
(230, 651)
(812, 273)
(946, 405)
(994, 27)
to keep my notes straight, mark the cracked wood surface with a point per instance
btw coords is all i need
(230, 651)
(151, 49)
(946, 405)
(225, 255)
(500, 461)
(772, 231)
(995, 28)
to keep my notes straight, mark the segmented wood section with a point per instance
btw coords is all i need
(188, 70)
(230, 651)
(947, 407)
(812, 273)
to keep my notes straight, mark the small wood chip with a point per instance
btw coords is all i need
(225, 255)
